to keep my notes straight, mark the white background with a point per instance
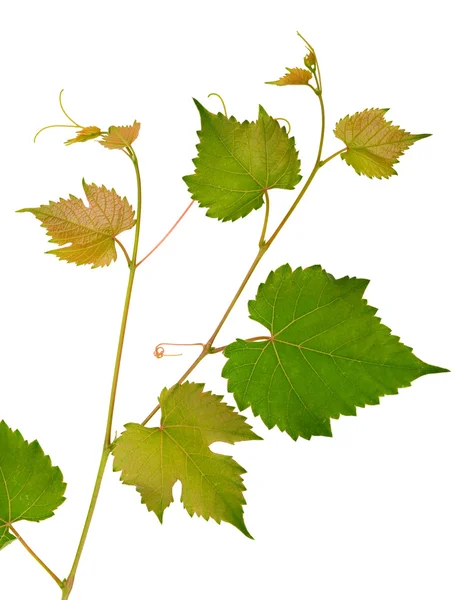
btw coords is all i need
(365, 515)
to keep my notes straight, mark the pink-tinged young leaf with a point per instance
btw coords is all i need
(89, 232)
(118, 138)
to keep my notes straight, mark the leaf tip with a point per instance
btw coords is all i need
(199, 106)
(433, 369)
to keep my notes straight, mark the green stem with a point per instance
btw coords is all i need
(262, 250)
(35, 556)
(317, 166)
(68, 583)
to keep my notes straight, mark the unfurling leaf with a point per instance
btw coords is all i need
(373, 144)
(31, 489)
(295, 76)
(120, 137)
(327, 354)
(238, 162)
(310, 60)
(154, 458)
(84, 134)
(89, 231)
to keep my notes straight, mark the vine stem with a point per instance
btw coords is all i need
(68, 583)
(263, 247)
(58, 581)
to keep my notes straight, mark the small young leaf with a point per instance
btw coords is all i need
(238, 162)
(373, 144)
(120, 137)
(90, 232)
(84, 134)
(31, 489)
(327, 354)
(295, 76)
(153, 459)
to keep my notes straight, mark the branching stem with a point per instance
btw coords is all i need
(58, 581)
(263, 245)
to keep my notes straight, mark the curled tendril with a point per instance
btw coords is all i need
(74, 124)
(286, 121)
(222, 102)
(160, 351)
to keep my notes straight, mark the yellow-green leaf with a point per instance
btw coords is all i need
(295, 76)
(153, 459)
(120, 137)
(84, 134)
(89, 231)
(373, 144)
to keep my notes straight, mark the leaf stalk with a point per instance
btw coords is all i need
(58, 581)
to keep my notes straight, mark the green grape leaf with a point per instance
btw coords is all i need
(31, 489)
(84, 134)
(118, 138)
(373, 144)
(154, 458)
(238, 162)
(327, 353)
(295, 76)
(89, 231)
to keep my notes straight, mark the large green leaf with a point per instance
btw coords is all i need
(237, 162)
(31, 489)
(154, 458)
(327, 353)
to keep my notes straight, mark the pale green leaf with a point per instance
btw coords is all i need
(89, 232)
(373, 144)
(154, 458)
(327, 353)
(238, 162)
(31, 489)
